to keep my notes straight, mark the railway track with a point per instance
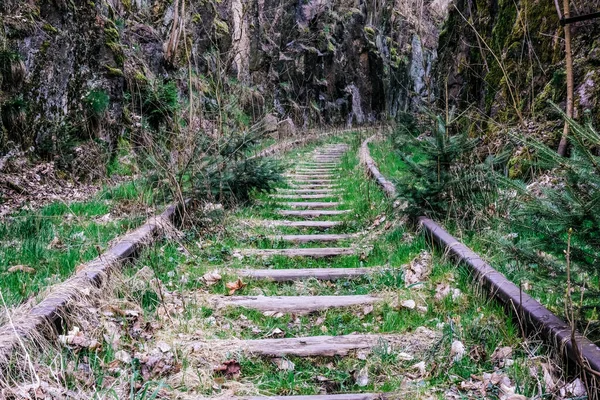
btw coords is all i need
(315, 305)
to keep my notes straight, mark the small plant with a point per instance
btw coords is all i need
(97, 101)
(12, 70)
(571, 201)
(160, 103)
(443, 176)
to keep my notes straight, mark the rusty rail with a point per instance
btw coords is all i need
(534, 316)
(45, 319)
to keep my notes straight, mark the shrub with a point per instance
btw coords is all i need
(443, 176)
(12, 70)
(570, 199)
(97, 101)
(160, 103)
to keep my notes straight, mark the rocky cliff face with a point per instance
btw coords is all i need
(75, 70)
(504, 58)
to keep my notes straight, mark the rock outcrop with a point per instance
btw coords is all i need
(74, 71)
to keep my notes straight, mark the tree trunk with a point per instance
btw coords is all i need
(562, 147)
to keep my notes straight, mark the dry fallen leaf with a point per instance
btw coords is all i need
(362, 377)
(230, 369)
(164, 347)
(418, 269)
(442, 290)
(575, 389)
(211, 278)
(123, 356)
(410, 304)
(21, 268)
(76, 338)
(234, 286)
(420, 367)
(368, 309)
(274, 314)
(501, 354)
(457, 351)
(283, 364)
(276, 333)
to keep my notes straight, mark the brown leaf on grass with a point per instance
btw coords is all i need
(418, 270)
(501, 354)
(234, 286)
(211, 278)
(21, 268)
(380, 218)
(153, 365)
(284, 364)
(442, 290)
(230, 369)
(276, 332)
(410, 304)
(477, 353)
(362, 377)
(76, 338)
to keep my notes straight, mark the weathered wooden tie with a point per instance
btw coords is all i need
(317, 170)
(303, 224)
(311, 213)
(312, 176)
(307, 191)
(310, 238)
(303, 196)
(318, 252)
(349, 396)
(309, 346)
(313, 186)
(311, 204)
(297, 305)
(325, 274)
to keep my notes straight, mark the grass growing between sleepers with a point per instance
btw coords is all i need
(170, 321)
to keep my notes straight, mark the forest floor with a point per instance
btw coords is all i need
(317, 289)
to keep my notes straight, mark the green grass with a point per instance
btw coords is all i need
(544, 283)
(479, 323)
(471, 318)
(57, 238)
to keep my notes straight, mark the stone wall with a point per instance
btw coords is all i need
(79, 70)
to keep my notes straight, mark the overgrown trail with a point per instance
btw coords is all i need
(317, 291)
(313, 193)
(326, 296)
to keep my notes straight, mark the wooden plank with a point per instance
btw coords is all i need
(312, 213)
(315, 181)
(324, 274)
(314, 164)
(310, 238)
(308, 191)
(319, 252)
(317, 168)
(312, 204)
(303, 196)
(298, 305)
(347, 396)
(310, 346)
(303, 224)
(313, 186)
(313, 176)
